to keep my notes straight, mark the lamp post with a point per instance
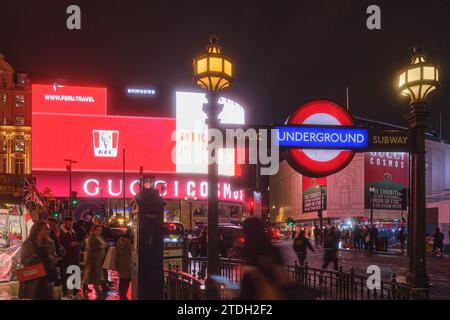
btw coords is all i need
(417, 81)
(320, 212)
(190, 199)
(213, 72)
(372, 193)
(69, 168)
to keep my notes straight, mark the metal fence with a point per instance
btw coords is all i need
(330, 285)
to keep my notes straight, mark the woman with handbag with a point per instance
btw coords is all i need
(38, 251)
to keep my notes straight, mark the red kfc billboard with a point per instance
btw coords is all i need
(97, 143)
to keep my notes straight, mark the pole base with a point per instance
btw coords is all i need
(418, 281)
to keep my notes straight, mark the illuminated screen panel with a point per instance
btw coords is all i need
(192, 136)
(110, 185)
(68, 99)
(96, 142)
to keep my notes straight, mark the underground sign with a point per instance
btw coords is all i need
(316, 162)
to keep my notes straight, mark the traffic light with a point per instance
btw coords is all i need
(404, 198)
(74, 199)
(290, 222)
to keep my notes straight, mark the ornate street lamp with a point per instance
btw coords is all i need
(417, 81)
(213, 72)
(190, 200)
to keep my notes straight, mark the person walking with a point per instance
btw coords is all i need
(95, 255)
(373, 238)
(357, 238)
(316, 235)
(71, 245)
(203, 251)
(123, 263)
(438, 242)
(402, 238)
(301, 245)
(264, 275)
(330, 245)
(39, 248)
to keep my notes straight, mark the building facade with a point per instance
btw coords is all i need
(15, 120)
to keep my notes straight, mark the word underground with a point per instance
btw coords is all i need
(314, 137)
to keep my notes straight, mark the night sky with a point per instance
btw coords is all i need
(286, 52)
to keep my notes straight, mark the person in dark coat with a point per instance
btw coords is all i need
(38, 248)
(301, 245)
(330, 245)
(316, 235)
(123, 263)
(71, 244)
(264, 275)
(438, 242)
(402, 238)
(357, 238)
(203, 250)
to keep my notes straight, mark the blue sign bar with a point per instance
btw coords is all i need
(310, 137)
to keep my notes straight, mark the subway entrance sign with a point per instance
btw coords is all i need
(320, 139)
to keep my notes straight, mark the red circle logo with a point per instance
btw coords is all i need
(319, 163)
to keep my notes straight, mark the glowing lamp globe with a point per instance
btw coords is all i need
(213, 71)
(418, 79)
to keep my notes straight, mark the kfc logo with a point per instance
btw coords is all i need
(106, 143)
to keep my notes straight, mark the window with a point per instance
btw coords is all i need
(5, 120)
(19, 144)
(20, 120)
(3, 165)
(4, 144)
(19, 166)
(20, 101)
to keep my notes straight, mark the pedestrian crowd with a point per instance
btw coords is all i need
(72, 243)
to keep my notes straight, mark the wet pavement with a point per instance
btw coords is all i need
(438, 268)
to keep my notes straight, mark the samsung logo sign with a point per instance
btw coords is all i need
(321, 137)
(141, 92)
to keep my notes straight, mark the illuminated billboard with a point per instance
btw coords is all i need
(110, 185)
(192, 137)
(97, 143)
(68, 99)
(70, 123)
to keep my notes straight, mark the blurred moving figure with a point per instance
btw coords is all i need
(330, 245)
(264, 276)
(301, 245)
(438, 242)
(39, 248)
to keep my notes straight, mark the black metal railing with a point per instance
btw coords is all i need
(179, 285)
(332, 285)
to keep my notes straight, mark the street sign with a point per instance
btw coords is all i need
(390, 140)
(319, 162)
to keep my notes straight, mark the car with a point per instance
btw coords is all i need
(233, 237)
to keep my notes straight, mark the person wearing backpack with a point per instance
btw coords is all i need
(301, 245)
(330, 245)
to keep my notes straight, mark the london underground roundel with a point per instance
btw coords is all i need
(319, 163)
